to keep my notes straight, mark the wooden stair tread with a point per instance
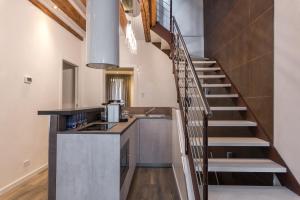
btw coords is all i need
(231, 142)
(249, 192)
(243, 165)
(216, 96)
(211, 76)
(222, 108)
(225, 123)
(203, 69)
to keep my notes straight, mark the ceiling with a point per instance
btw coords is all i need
(71, 14)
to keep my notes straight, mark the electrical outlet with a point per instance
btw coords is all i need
(26, 163)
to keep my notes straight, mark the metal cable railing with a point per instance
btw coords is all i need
(194, 108)
(164, 13)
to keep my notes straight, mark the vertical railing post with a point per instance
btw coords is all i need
(171, 13)
(185, 84)
(205, 158)
(186, 107)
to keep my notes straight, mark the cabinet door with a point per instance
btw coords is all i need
(130, 135)
(137, 141)
(155, 141)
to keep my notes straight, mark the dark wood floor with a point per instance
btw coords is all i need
(148, 184)
(153, 184)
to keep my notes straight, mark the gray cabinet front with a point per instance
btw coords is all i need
(129, 137)
(155, 142)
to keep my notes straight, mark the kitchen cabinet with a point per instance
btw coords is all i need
(129, 136)
(90, 165)
(155, 141)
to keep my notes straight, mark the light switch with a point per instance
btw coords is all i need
(27, 79)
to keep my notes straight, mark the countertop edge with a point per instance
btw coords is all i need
(119, 129)
(122, 126)
(69, 111)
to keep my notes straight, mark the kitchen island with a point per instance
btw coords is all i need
(93, 164)
(85, 164)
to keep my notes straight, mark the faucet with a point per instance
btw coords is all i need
(150, 111)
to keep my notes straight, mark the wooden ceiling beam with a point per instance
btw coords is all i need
(71, 12)
(54, 17)
(123, 19)
(145, 12)
(153, 6)
(83, 2)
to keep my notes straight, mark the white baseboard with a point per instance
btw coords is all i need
(22, 179)
(177, 184)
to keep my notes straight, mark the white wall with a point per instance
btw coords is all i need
(287, 82)
(33, 44)
(154, 83)
(189, 15)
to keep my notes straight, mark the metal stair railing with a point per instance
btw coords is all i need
(195, 112)
(164, 13)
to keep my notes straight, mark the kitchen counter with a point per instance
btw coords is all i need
(58, 127)
(96, 164)
(93, 164)
(70, 111)
(119, 128)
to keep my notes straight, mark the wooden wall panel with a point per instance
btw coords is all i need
(240, 35)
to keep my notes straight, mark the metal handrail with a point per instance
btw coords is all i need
(207, 109)
(163, 8)
(195, 111)
(164, 11)
(164, 2)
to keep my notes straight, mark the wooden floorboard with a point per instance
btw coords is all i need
(147, 184)
(153, 184)
(33, 189)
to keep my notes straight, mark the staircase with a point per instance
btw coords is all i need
(160, 42)
(225, 145)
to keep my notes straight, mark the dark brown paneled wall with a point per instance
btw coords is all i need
(239, 34)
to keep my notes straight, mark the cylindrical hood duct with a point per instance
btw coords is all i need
(103, 33)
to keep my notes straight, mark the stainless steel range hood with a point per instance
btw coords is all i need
(103, 34)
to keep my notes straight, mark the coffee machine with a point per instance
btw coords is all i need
(115, 111)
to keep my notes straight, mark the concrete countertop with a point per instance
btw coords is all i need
(119, 128)
(70, 111)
